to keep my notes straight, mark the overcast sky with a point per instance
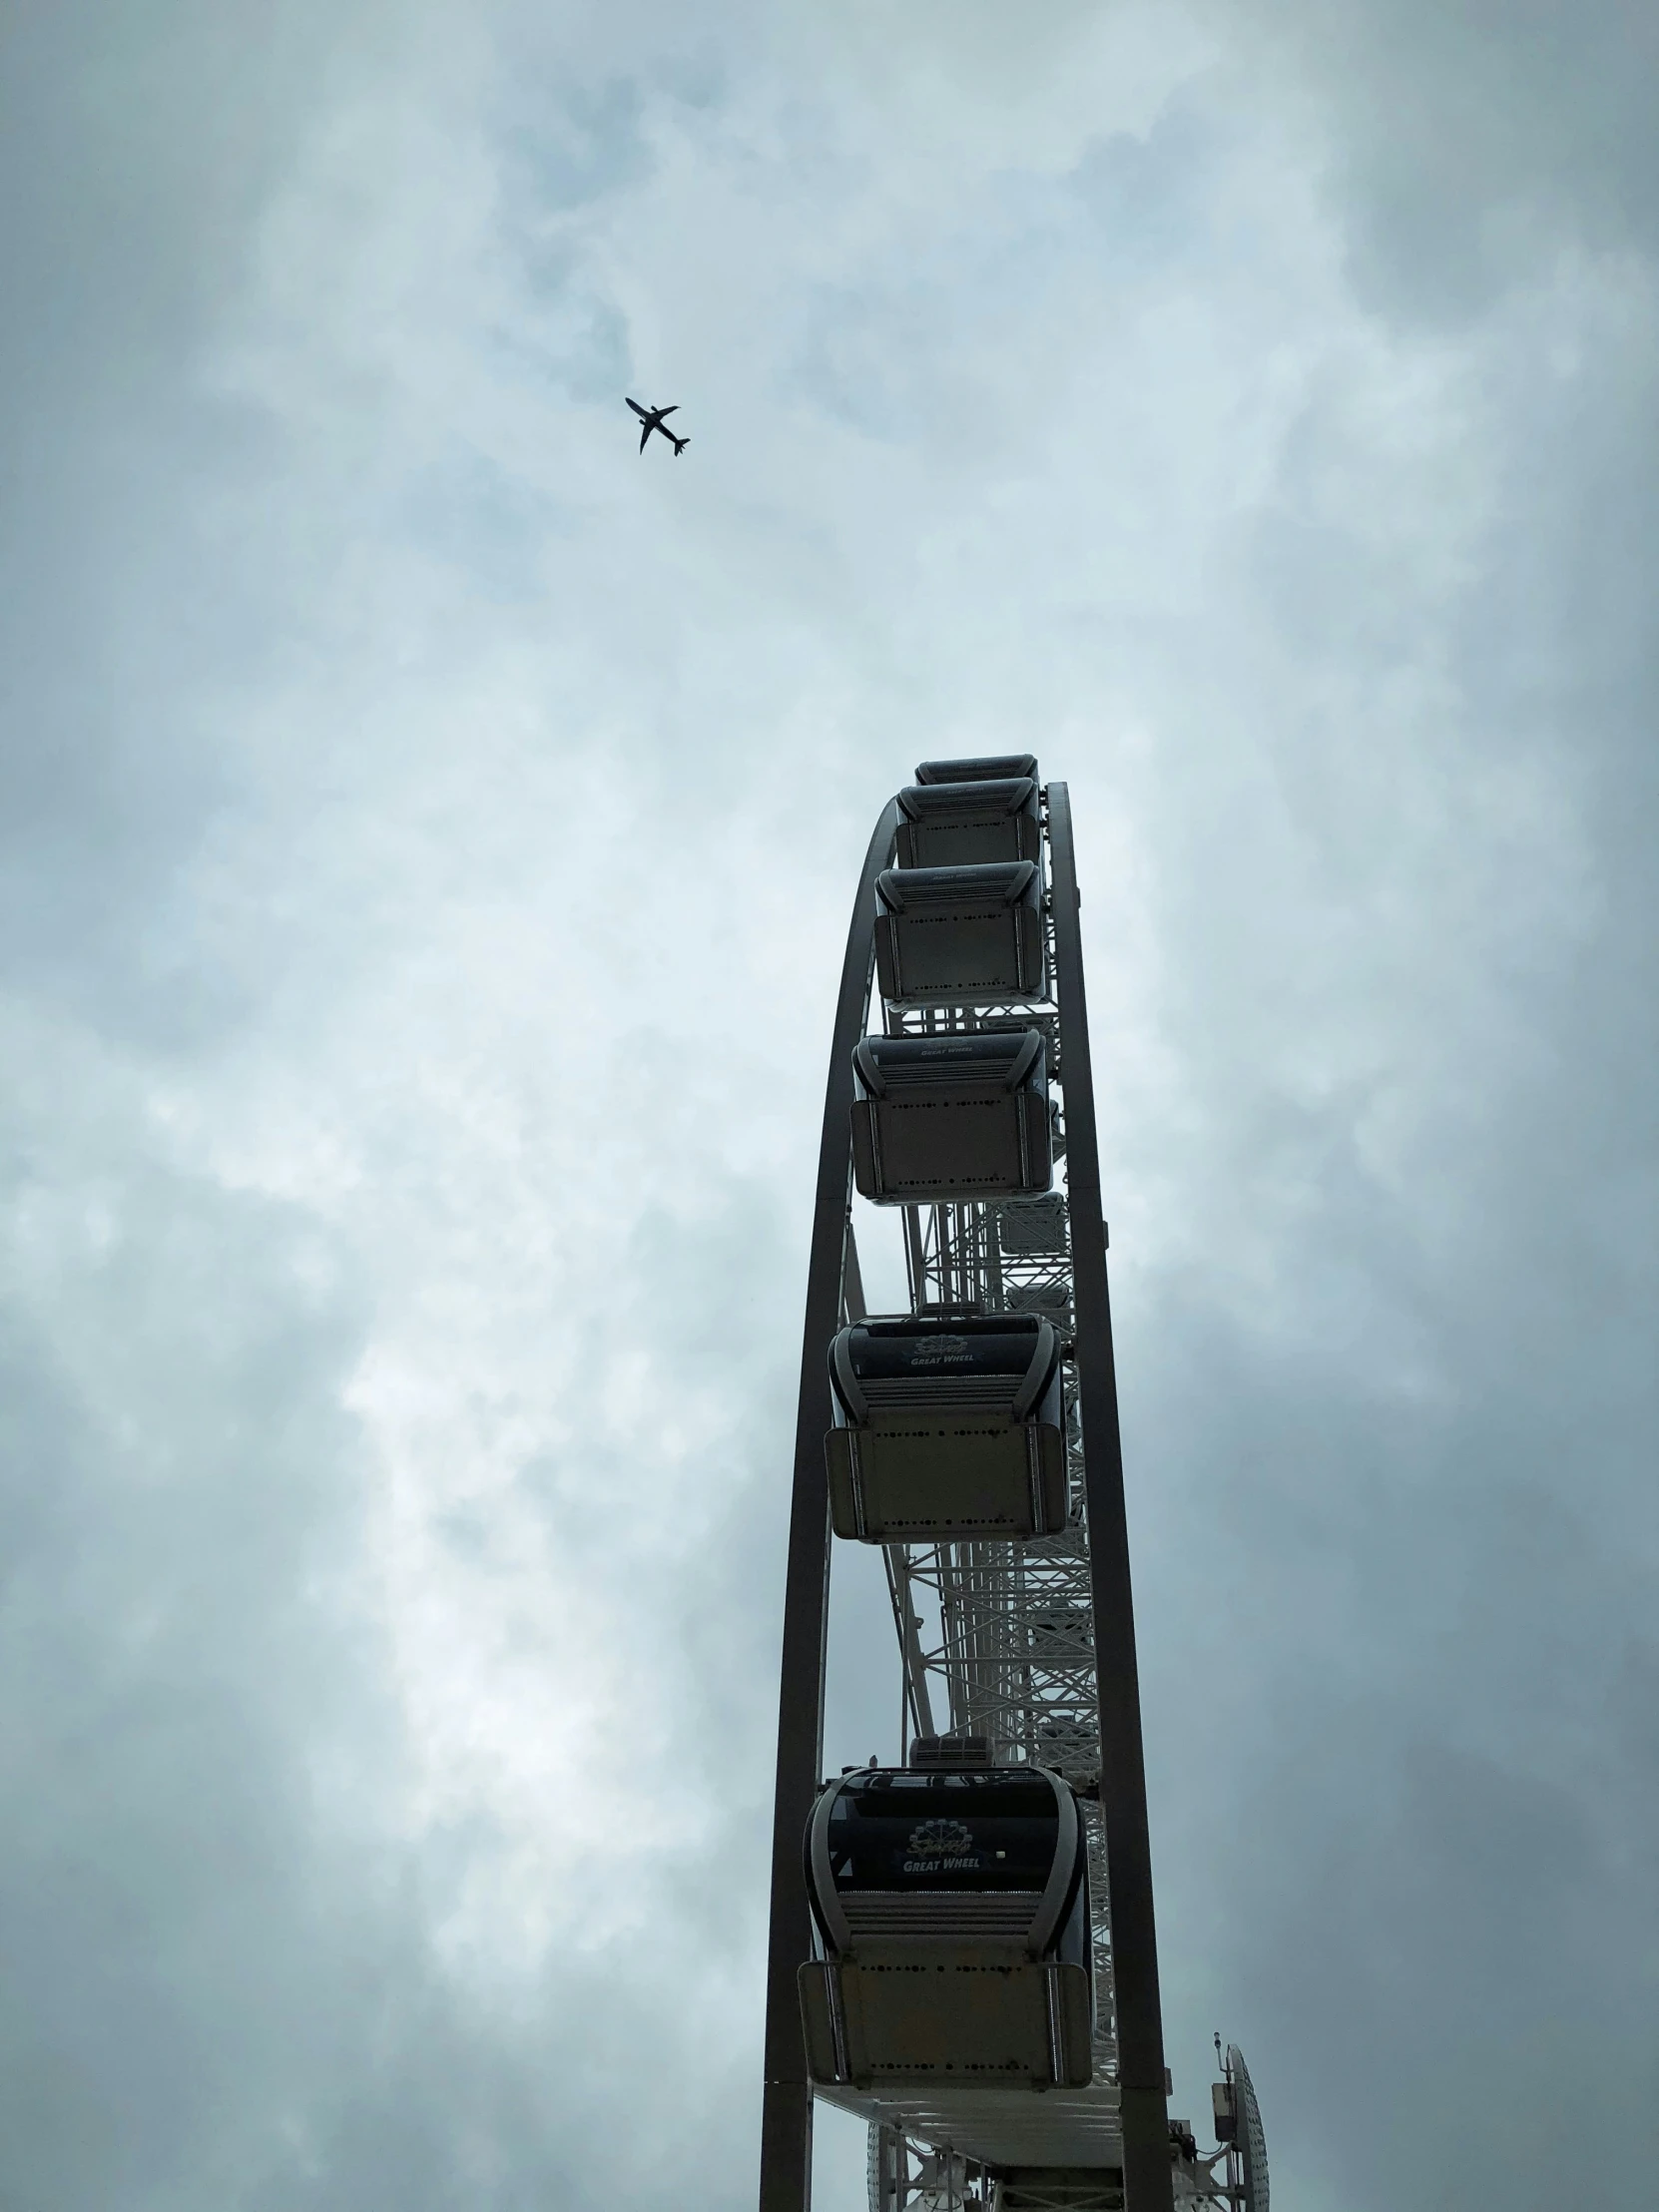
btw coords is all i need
(427, 835)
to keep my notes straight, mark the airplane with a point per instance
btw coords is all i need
(652, 417)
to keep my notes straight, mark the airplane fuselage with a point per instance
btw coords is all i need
(651, 418)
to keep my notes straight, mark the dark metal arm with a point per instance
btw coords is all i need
(1146, 2156)
(787, 2108)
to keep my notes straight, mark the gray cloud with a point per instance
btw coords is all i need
(1472, 141)
(425, 853)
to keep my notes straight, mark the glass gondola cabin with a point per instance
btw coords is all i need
(993, 767)
(947, 1431)
(956, 825)
(960, 936)
(951, 1117)
(953, 1920)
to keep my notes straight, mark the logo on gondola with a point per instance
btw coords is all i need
(929, 1352)
(939, 1847)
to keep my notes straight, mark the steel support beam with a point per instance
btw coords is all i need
(1148, 2179)
(787, 2108)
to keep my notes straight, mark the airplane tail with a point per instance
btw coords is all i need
(679, 445)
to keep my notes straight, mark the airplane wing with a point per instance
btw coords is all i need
(638, 409)
(644, 434)
(668, 411)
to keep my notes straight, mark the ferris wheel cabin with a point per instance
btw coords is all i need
(996, 767)
(947, 1431)
(953, 1920)
(951, 1117)
(960, 825)
(960, 936)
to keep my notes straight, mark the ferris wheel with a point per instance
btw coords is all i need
(963, 1949)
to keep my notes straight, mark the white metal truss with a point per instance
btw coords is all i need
(906, 2176)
